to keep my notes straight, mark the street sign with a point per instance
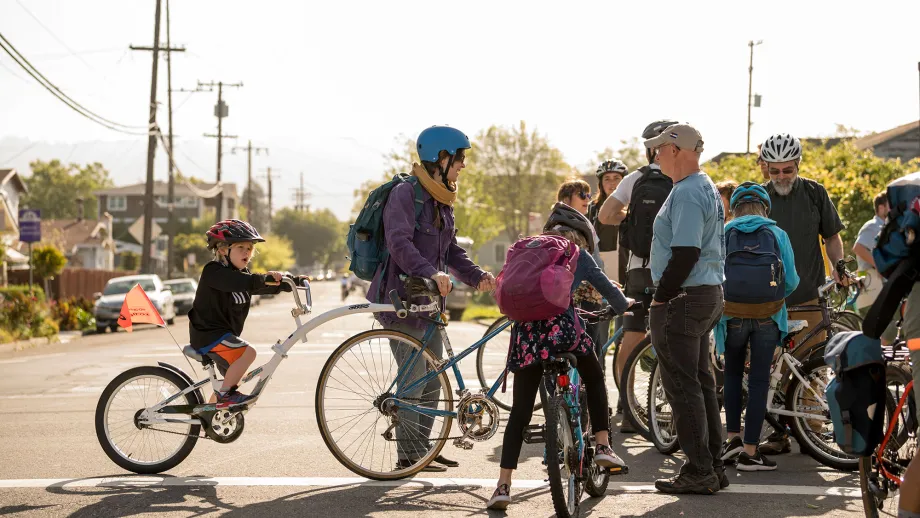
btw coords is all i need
(30, 225)
(137, 230)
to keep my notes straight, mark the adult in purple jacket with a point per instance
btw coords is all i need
(425, 248)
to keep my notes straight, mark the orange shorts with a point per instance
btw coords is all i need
(227, 351)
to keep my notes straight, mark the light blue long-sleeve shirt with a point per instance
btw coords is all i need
(781, 317)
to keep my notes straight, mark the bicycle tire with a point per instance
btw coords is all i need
(634, 408)
(503, 399)
(596, 478)
(103, 429)
(665, 440)
(869, 500)
(836, 459)
(323, 421)
(559, 433)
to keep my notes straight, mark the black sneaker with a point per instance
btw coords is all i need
(430, 468)
(776, 444)
(231, 398)
(730, 449)
(440, 459)
(686, 483)
(756, 462)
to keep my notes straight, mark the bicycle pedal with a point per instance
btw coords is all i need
(463, 445)
(622, 470)
(534, 434)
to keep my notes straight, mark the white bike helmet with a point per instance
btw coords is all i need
(781, 147)
(612, 166)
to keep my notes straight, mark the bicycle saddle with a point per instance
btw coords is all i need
(420, 287)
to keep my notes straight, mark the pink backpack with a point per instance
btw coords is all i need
(536, 280)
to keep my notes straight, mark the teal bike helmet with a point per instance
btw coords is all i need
(750, 192)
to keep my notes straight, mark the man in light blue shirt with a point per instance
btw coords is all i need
(687, 263)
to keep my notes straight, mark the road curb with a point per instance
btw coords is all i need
(34, 343)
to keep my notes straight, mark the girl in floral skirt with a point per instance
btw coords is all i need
(533, 342)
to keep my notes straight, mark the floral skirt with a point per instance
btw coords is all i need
(533, 342)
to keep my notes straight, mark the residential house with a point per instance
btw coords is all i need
(11, 190)
(86, 243)
(902, 142)
(126, 203)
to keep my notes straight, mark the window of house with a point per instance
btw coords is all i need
(190, 202)
(117, 203)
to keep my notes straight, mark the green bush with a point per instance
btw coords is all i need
(73, 314)
(24, 315)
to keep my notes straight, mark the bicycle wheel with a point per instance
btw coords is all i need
(663, 429)
(144, 449)
(366, 422)
(491, 360)
(613, 362)
(562, 463)
(634, 386)
(848, 319)
(872, 498)
(596, 477)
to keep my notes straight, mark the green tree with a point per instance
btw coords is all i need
(47, 261)
(522, 172)
(130, 261)
(316, 235)
(275, 254)
(55, 188)
(195, 244)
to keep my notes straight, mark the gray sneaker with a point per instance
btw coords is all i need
(687, 483)
(723, 478)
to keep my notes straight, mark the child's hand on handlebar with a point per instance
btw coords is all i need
(275, 275)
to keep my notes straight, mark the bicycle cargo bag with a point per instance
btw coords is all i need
(536, 281)
(856, 396)
(755, 278)
(366, 247)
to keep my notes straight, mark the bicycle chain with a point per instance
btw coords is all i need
(179, 433)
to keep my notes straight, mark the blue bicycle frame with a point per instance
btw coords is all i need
(450, 364)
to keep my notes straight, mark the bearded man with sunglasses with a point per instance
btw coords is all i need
(802, 208)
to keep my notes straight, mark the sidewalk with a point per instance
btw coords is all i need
(63, 337)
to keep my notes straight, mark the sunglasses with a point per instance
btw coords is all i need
(584, 195)
(787, 171)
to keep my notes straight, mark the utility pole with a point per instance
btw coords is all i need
(146, 267)
(300, 196)
(918, 85)
(249, 149)
(221, 110)
(751, 44)
(269, 174)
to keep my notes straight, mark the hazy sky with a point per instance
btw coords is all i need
(334, 83)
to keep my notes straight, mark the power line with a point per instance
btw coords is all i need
(72, 53)
(57, 92)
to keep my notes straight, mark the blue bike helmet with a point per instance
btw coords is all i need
(440, 138)
(750, 192)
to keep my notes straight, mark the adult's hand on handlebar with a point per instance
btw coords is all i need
(443, 281)
(842, 276)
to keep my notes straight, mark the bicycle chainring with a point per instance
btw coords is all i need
(477, 417)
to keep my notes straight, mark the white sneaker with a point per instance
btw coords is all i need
(501, 498)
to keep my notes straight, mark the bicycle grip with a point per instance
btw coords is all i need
(398, 304)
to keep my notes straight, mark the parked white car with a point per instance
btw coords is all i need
(183, 293)
(109, 302)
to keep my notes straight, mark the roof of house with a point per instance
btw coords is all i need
(878, 138)
(71, 232)
(10, 175)
(162, 189)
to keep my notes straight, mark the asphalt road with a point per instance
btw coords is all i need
(52, 465)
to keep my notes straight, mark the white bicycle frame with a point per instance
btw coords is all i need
(153, 415)
(775, 380)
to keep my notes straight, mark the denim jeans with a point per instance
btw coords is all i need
(414, 428)
(681, 332)
(762, 335)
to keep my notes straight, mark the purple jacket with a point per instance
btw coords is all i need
(421, 251)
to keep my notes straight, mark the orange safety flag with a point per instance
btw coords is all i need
(137, 309)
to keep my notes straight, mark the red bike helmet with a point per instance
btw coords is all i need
(232, 231)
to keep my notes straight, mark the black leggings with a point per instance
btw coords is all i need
(526, 385)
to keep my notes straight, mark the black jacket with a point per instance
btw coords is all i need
(222, 302)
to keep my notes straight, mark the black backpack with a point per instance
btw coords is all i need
(648, 195)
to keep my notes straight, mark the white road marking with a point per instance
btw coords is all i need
(631, 487)
(263, 352)
(30, 358)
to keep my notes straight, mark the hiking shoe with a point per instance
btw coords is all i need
(440, 459)
(627, 427)
(430, 468)
(231, 397)
(501, 498)
(687, 483)
(730, 449)
(723, 478)
(605, 457)
(776, 444)
(756, 462)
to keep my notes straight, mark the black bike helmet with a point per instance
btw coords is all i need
(232, 231)
(653, 130)
(563, 215)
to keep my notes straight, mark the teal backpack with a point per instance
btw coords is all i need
(366, 247)
(856, 397)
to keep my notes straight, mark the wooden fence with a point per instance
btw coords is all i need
(72, 282)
